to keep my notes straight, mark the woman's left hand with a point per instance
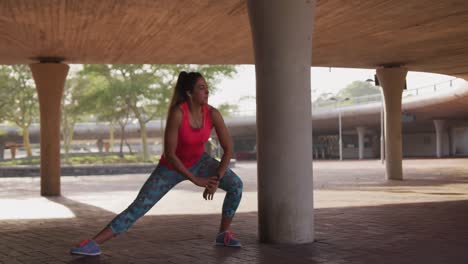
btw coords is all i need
(209, 191)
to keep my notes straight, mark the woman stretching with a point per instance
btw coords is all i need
(189, 125)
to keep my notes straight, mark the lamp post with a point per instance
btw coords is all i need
(340, 137)
(382, 127)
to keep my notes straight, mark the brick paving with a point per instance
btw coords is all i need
(359, 218)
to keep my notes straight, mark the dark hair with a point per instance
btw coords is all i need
(185, 83)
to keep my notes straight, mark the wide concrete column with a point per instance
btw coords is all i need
(392, 80)
(361, 131)
(282, 36)
(50, 80)
(441, 131)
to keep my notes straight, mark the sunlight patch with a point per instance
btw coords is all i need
(33, 208)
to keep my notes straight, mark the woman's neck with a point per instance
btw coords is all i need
(194, 107)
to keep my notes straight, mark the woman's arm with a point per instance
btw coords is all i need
(224, 139)
(170, 144)
(226, 143)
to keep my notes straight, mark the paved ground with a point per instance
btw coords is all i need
(359, 218)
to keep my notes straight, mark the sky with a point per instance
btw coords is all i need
(323, 80)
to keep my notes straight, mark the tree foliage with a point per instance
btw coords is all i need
(357, 89)
(227, 109)
(18, 99)
(72, 107)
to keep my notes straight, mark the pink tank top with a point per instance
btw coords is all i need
(191, 141)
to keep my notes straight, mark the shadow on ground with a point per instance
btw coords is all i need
(434, 232)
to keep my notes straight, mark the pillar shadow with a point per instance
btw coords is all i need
(432, 232)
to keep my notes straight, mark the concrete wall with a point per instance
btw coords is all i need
(419, 145)
(351, 146)
(353, 153)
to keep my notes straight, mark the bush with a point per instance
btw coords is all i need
(89, 159)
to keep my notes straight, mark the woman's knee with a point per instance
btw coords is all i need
(239, 184)
(234, 183)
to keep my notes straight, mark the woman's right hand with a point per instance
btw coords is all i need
(206, 182)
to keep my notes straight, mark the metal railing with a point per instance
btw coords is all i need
(419, 91)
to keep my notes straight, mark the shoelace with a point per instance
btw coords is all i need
(227, 237)
(84, 242)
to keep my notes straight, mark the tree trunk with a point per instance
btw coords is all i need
(111, 137)
(2, 149)
(66, 147)
(162, 128)
(122, 137)
(128, 146)
(69, 138)
(26, 142)
(67, 135)
(144, 140)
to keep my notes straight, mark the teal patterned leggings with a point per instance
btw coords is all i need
(162, 180)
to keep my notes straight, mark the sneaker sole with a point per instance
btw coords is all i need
(222, 245)
(85, 254)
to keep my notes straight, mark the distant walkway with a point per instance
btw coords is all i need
(359, 218)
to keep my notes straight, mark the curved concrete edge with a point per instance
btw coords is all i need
(409, 103)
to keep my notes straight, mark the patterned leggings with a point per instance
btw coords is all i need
(162, 180)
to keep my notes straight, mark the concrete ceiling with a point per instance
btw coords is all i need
(424, 35)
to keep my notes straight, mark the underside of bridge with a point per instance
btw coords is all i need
(425, 35)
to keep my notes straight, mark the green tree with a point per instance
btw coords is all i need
(19, 100)
(356, 89)
(72, 110)
(105, 101)
(133, 86)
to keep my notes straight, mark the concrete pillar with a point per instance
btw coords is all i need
(361, 131)
(392, 80)
(441, 131)
(282, 38)
(453, 142)
(50, 80)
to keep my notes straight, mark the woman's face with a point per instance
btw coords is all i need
(200, 92)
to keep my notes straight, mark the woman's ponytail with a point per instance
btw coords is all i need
(185, 83)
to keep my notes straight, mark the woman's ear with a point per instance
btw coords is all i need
(189, 94)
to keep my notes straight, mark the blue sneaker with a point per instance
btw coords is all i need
(86, 247)
(227, 239)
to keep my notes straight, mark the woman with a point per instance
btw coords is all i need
(189, 125)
